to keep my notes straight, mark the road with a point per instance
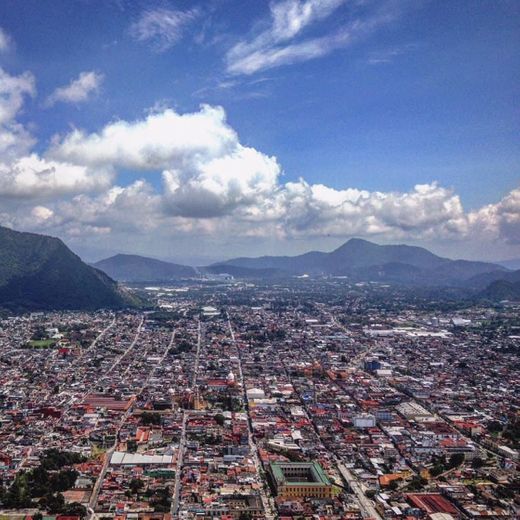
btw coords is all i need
(197, 356)
(182, 443)
(267, 502)
(129, 349)
(72, 400)
(108, 455)
(349, 477)
(178, 469)
(439, 417)
(97, 338)
(367, 506)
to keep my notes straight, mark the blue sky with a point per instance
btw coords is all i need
(377, 97)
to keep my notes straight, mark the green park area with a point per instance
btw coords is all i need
(42, 343)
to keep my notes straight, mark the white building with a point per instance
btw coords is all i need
(364, 420)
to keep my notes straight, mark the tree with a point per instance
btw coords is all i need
(417, 482)
(161, 501)
(74, 509)
(151, 418)
(494, 427)
(63, 480)
(55, 459)
(477, 463)
(437, 470)
(219, 419)
(394, 484)
(53, 503)
(136, 485)
(456, 460)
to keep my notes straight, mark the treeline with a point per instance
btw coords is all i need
(42, 486)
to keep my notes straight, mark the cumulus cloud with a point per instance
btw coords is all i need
(41, 213)
(279, 43)
(428, 210)
(212, 184)
(35, 177)
(27, 175)
(165, 139)
(163, 28)
(500, 220)
(212, 181)
(242, 177)
(130, 208)
(6, 41)
(206, 170)
(14, 137)
(78, 90)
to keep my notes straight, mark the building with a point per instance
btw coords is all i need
(301, 480)
(364, 420)
(431, 503)
(372, 364)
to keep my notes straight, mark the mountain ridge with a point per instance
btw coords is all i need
(39, 272)
(357, 259)
(362, 259)
(137, 268)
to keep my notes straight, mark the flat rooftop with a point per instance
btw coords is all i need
(299, 473)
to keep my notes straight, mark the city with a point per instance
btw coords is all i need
(259, 260)
(236, 400)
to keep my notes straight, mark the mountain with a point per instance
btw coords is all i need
(39, 272)
(502, 290)
(364, 260)
(134, 268)
(513, 263)
(481, 281)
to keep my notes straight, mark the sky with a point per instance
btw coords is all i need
(202, 130)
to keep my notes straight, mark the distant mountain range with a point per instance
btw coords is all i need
(502, 290)
(364, 260)
(359, 260)
(39, 272)
(513, 263)
(134, 268)
(483, 280)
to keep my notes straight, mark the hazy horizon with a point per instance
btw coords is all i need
(196, 261)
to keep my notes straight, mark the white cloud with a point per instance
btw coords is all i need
(162, 27)
(500, 220)
(243, 177)
(162, 140)
(212, 185)
(41, 213)
(278, 45)
(6, 41)
(27, 175)
(123, 209)
(290, 17)
(212, 182)
(78, 90)
(388, 55)
(14, 138)
(35, 177)
(206, 170)
(314, 210)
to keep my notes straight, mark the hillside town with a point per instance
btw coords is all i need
(230, 400)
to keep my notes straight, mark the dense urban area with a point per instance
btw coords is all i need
(298, 399)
